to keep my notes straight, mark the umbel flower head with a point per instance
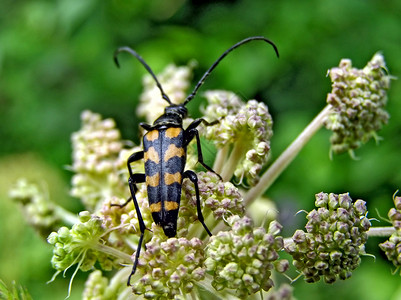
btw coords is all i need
(82, 243)
(245, 127)
(97, 164)
(40, 212)
(392, 247)
(334, 239)
(244, 257)
(358, 98)
(169, 267)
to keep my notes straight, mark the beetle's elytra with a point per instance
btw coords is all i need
(165, 156)
(165, 147)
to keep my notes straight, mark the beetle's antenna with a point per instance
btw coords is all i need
(135, 54)
(207, 73)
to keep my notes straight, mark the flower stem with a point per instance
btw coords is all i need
(221, 157)
(381, 231)
(287, 156)
(112, 251)
(68, 217)
(232, 162)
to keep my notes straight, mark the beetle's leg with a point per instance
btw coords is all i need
(195, 123)
(136, 178)
(122, 205)
(192, 132)
(132, 181)
(192, 176)
(133, 157)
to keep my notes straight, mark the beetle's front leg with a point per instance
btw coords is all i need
(192, 132)
(192, 176)
(136, 178)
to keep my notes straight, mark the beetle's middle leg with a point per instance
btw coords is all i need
(136, 179)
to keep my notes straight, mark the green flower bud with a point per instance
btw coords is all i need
(334, 239)
(358, 98)
(80, 245)
(95, 286)
(243, 258)
(392, 247)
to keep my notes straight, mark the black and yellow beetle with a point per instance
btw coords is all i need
(164, 153)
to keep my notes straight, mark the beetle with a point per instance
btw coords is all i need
(164, 155)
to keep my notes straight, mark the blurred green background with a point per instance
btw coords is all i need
(56, 60)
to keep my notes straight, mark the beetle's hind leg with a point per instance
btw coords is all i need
(192, 176)
(136, 178)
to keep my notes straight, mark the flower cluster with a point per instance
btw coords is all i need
(95, 286)
(246, 127)
(244, 257)
(82, 243)
(123, 218)
(222, 198)
(98, 286)
(392, 247)
(169, 266)
(39, 211)
(334, 238)
(175, 81)
(98, 161)
(283, 293)
(358, 98)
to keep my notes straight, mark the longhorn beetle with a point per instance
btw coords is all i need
(164, 153)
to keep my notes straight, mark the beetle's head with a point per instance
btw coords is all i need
(176, 109)
(173, 115)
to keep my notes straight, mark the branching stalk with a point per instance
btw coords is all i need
(286, 157)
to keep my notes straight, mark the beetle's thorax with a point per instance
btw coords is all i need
(173, 115)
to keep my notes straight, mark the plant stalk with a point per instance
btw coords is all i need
(286, 157)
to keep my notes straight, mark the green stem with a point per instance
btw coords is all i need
(114, 252)
(68, 217)
(286, 157)
(116, 287)
(236, 154)
(381, 231)
(221, 157)
(207, 285)
(373, 231)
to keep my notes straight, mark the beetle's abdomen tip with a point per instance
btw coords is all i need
(170, 230)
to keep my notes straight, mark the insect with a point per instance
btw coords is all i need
(164, 154)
